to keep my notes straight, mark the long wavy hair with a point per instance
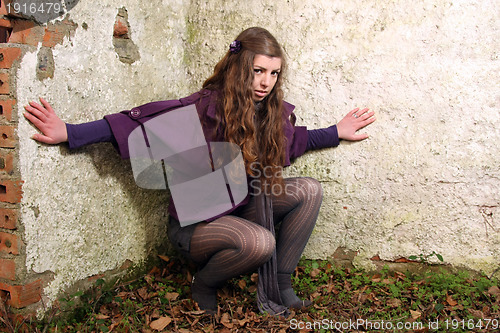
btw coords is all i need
(258, 132)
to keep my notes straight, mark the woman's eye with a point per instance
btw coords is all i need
(275, 73)
(257, 71)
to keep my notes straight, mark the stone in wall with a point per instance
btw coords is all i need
(45, 66)
(124, 46)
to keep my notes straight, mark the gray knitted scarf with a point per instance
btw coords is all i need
(268, 295)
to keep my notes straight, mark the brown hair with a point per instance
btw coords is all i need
(261, 139)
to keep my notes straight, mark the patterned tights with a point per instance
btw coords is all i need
(234, 245)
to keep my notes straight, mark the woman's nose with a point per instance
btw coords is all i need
(265, 81)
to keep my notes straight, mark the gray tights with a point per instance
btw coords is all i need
(234, 245)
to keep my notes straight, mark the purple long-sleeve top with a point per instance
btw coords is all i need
(80, 135)
(116, 128)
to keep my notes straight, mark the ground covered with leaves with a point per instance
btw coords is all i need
(345, 300)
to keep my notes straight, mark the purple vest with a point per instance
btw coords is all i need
(123, 123)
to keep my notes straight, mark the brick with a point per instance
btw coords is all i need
(4, 10)
(3, 7)
(8, 55)
(26, 32)
(11, 190)
(7, 138)
(4, 83)
(94, 278)
(4, 34)
(6, 107)
(55, 32)
(8, 218)
(5, 23)
(7, 269)
(5, 30)
(9, 243)
(6, 162)
(52, 37)
(342, 253)
(120, 29)
(403, 260)
(24, 295)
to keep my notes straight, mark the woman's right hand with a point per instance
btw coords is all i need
(45, 119)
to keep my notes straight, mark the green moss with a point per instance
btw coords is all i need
(192, 48)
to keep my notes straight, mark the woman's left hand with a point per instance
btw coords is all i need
(354, 121)
(46, 121)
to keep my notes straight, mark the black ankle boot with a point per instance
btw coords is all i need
(204, 295)
(288, 296)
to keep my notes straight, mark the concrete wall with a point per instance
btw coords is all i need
(426, 180)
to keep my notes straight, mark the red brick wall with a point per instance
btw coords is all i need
(17, 35)
(19, 294)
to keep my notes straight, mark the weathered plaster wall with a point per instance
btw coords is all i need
(82, 211)
(426, 180)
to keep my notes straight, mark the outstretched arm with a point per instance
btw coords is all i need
(346, 130)
(355, 120)
(46, 121)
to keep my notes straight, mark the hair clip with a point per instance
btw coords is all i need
(235, 47)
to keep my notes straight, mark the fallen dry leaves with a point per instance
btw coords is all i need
(160, 324)
(160, 302)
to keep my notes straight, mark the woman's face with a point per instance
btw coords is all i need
(266, 71)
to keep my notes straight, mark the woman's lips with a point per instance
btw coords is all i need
(261, 93)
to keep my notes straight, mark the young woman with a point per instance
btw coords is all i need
(242, 103)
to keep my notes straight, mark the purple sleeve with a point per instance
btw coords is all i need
(80, 135)
(298, 143)
(322, 138)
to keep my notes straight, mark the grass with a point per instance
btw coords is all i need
(345, 300)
